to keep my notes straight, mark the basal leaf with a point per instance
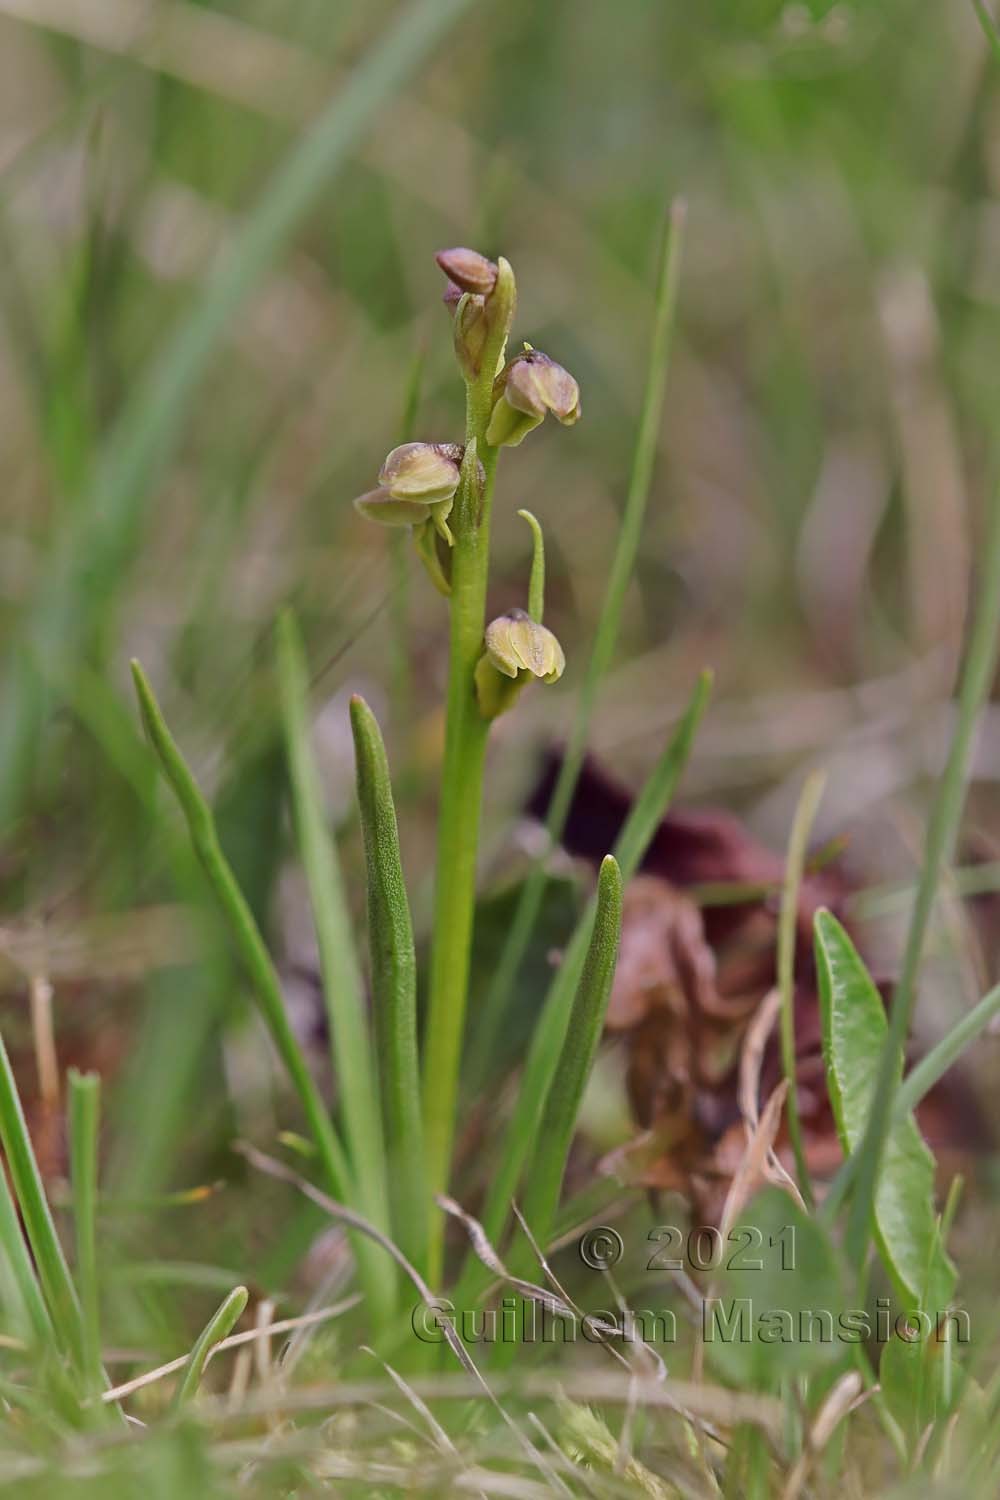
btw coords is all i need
(854, 1033)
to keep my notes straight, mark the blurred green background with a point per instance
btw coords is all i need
(814, 518)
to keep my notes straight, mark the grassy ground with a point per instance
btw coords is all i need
(219, 310)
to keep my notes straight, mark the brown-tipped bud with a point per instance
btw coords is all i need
(379, 505)
(470, 271)
(531, 385)
(516, 643)
(426, 472)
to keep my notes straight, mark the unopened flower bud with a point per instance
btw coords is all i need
(531, 385)
(468, 270)
(427, 472)
(471, 332)
(379, 505)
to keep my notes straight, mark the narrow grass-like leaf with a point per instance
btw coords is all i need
(854, 1033)
(23, 1280)
(605, 640)
(219, 1326)
(394, 986)
(550, 1030)
(579, 1049)
(977, 677)
(805, 813)
(84, 1118)
(246, 934)
(53, 1272)
(263, 976)
(343, 986)
(922, 1078)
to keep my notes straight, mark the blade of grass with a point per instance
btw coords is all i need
(257, 961)
(550, 1031)
(977, 676)
(53, 1272)
(23, 1279)
(343, 986)
(219, 1326)
(583, 1034)
(84, 1118)
(100, 538)
(930, 1069)
(805, 814)
(605, 641)
(394, 987)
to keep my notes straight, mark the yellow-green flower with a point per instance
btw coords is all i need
(428, 472)
(531, 385)
(516, 648)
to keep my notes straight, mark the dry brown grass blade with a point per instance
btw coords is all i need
(751, 1059)
(843, 1398)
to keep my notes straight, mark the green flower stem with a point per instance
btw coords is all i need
(219, 1326)
(84, 1116)
(462, 775)
(257, 961)
(394, 987)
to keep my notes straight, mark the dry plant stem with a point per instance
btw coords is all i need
(462, 780)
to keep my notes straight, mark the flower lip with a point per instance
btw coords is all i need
(468, 270)
(517, 643)
(422, 472)
(388, 510)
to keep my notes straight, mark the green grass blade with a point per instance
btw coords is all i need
(977, 677)
(53, 1272)
(84, 1119)
(854, 1029)
(219, 1326)
(246, 934)
(550, 1031)
(23, 1281)
(541, 1193)
(109, 519)
(263, 977)
(605, 640)
(343, 985)
(394, 987)
(805, 813)
(930, 1069)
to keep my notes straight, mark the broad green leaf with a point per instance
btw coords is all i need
(854, 1033)
(777, 1309)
